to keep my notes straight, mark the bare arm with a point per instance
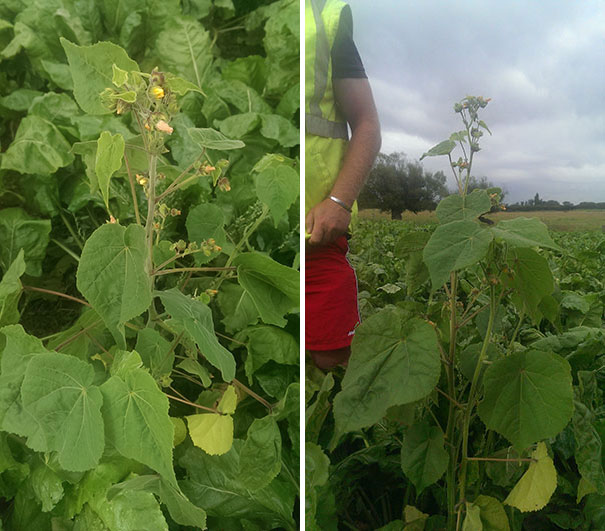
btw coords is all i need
(328, 220)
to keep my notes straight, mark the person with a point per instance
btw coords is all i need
(337, 95)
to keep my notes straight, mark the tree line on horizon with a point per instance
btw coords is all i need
(397, 184)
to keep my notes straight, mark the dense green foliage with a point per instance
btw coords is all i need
(149, 254)
(478, 405)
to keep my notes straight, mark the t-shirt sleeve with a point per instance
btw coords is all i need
(346, 62)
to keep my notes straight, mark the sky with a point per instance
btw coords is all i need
(542, 63)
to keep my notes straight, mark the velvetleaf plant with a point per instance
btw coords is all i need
(138, 402)
(473, 399)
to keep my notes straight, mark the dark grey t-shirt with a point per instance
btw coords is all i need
(346, 62)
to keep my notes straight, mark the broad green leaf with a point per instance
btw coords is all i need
(112, 276)
(492, 514)
(180, 430)
(59, 394)
(316, 413)
(317, 465)
(277, 187)
(260, 458)
(38, 148)
(136, 419)
(206, 221)
(130, 511)
(524, 232)
(181, 86)
(213, 139)
(265, 343)
(184, 48)
(279, 128)
(537, 485)
(251, 70)
(443, 148)
(211, 432)
(528, 397)
(272, 286)
(415, 519)
(472, 519)
(155, 351)
(20, 231)
(589, 447)
(585, 487)
(244, 98)
(10, 291)
(423, 456)
(456, 207)
(18, 349)
(239, 125)
(110, 153)
(237, 307)
(92, 71)
(531, 280)
(193, 367)
(47, 487)
(214, 482)
(59, 73)
(59, 109)
(20, 100)
(454, 246)
(196, 318)
(394, 361)
(180, 508)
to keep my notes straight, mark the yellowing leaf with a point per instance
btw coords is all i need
(229, 401)
(537, 485)
(211, 432)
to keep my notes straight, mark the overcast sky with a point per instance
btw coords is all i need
(541, 62)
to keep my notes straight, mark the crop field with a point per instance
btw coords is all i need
(376, 485)
(149, 283)
(474, 395)
(572, 220)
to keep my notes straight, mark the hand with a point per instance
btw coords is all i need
(326, 221)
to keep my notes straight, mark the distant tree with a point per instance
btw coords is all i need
(397, 184)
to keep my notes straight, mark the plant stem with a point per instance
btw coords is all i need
(58, 294)
(193, 404)
(175, 184)
(149, 229)
(66, 249)
(71, 230)
(471, 395)
(133, 191)
(451, 385)
(250, 392)
(503, 460)
(247, 233)
(193, 269)
(512, 339)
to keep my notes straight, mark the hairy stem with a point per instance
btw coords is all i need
(472, 393)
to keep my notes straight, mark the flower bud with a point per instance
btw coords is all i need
(164, 127)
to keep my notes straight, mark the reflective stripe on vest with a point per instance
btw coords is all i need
(315, 122)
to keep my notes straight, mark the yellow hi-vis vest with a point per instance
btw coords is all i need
(326, 134)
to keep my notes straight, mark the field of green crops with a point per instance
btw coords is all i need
(391, 474)
(149, 270)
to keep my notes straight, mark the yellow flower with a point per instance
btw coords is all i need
(158, 92)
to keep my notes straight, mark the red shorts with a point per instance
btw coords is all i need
(330, 297)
